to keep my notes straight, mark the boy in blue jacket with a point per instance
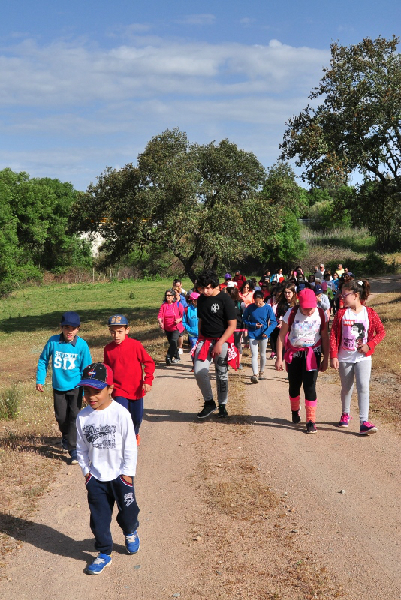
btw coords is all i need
(260, 321)
(70, 355)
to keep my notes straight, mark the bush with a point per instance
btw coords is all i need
(9, 403)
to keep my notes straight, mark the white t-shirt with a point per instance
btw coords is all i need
(305, 331)
(106, 442)
(354, 330)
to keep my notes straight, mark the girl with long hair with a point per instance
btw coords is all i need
(356, 331)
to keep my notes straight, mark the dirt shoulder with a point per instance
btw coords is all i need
(249, 507)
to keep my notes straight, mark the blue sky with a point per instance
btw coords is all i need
(86, 85)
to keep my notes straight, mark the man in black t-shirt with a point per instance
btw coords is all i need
(217, 322)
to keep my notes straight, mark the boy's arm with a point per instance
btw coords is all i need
(82, 451)
(232, 326)
(86, 358)
(272, 321)
(130, 451)
(43, 363)
(149, 367)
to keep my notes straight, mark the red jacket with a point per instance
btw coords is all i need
(376, 332)
(127, 361)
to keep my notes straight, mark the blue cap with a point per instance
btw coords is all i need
(71, 318)
(117, 320)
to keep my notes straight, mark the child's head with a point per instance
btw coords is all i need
(307, 302)
(258, 298)
(208, 281)
(118, 327)
(70, 324)
(194, 298)
(97, 381)
(352, 290)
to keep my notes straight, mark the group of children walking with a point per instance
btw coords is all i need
(104, 436)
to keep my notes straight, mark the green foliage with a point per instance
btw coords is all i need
(357, 125)
(287, 201)
(9, 403)
(380, 211)
(198, 203)
(35, 228)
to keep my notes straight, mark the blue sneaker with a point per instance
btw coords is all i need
(74, 457)
(64, 444)
(99, 564)
(132, 543)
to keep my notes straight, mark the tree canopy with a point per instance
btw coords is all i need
(355, 123)
(203, 203)
(35, 227)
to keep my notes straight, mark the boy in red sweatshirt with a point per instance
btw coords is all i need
(128, 359)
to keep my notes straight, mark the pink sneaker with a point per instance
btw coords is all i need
(344, 421)
(367, 428)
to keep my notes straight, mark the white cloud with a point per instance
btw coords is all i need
(62, 74)
(70, 109)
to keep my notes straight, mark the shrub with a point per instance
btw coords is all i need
(9, 403)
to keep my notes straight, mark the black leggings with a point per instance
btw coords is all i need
(172, 337)
(298, 375)
(273, 339)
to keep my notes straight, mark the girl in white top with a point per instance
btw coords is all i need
(356, 331)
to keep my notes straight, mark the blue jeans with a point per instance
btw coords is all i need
(102, 495)
(135, 409)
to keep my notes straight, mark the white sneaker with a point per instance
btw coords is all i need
(179, 350)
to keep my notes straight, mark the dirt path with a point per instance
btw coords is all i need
(210, 528)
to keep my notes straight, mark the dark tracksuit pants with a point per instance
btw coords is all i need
(66, 408)
(102, 495)
(135, 409)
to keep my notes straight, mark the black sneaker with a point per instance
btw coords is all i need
(208, 409)
(311, 427)
(295, 417)
(222, 411)
(168, 360)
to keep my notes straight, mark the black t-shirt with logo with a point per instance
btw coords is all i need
(215, 312)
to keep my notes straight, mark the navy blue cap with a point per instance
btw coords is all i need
(318, 289)
(71, 318)
(117, 320)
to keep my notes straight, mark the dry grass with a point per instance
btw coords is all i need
(386, 373)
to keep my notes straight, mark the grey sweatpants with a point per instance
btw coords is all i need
(255, 344)
(201, 372)
(361, 371)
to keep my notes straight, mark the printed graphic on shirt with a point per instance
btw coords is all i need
(214, 308)
(103, 437)
(353, 335)
(305, 332)
(64, 360)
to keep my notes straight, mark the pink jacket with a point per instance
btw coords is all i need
(167, 310)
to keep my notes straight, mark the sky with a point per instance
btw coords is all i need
(85, 85)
